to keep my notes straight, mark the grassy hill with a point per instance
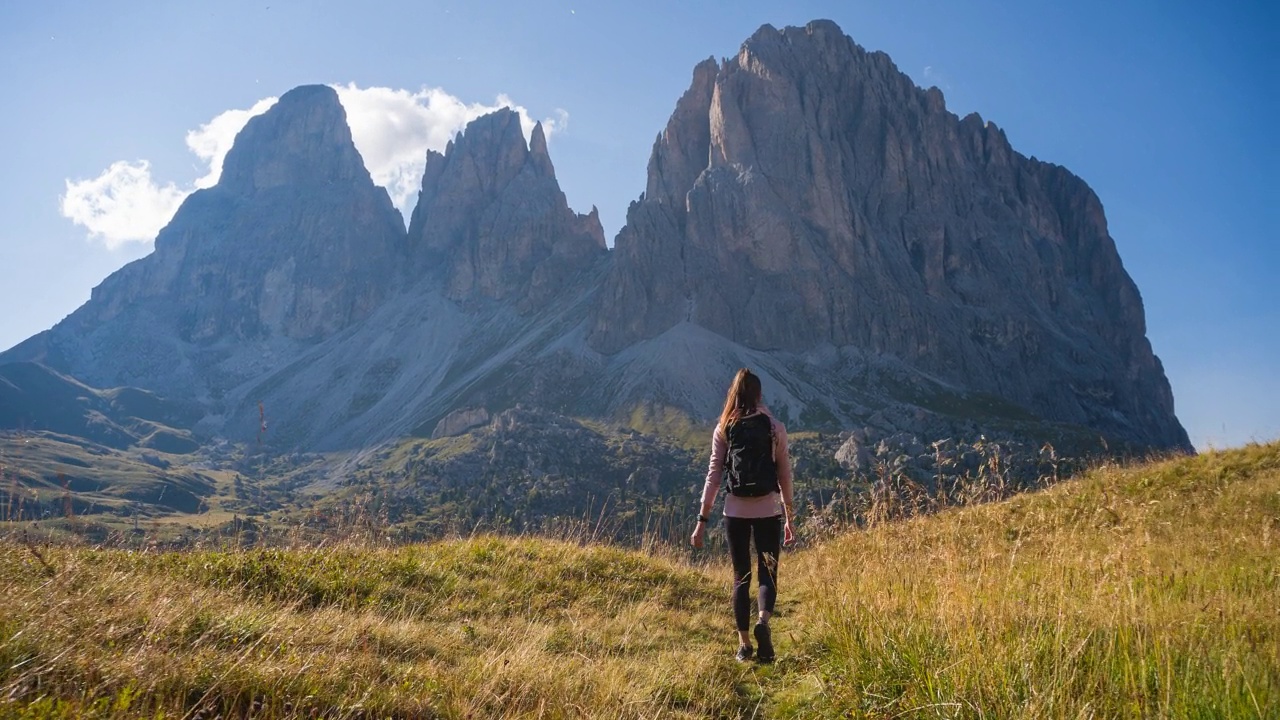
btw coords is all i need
(51, 474)
(34, 397)
(1143, 591)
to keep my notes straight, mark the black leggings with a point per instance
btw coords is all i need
(768, 535)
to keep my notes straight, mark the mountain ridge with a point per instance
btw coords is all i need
(808, 212)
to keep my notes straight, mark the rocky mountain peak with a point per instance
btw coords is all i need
(807, 194)
(302, 140)
(680, 151)
(294, 243)
(491, 221)
(538, 154)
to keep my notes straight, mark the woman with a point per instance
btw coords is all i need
(757, 506)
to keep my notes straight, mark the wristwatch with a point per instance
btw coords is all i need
(703, 518)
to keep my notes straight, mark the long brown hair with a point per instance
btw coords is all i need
(743, 398)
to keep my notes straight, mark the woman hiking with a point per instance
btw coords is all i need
(749, 453)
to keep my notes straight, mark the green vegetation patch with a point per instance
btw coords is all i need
(42, 471)
(671, 423)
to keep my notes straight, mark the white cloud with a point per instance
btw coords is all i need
(125, 204)
(934, 77)
(211, 141)
(121, 205)
(392, 129)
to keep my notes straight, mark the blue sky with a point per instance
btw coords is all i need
(1167, 109)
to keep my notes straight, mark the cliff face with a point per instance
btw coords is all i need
(807, 194)
(491, 221)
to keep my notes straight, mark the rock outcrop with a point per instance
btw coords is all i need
(806, 194)
(460, 421)
(491, 221)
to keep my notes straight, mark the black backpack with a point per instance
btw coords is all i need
(749, 467)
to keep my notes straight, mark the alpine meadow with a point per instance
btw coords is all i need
(1145, 590)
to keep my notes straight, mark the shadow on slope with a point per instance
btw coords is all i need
(47, 475)
(34, 397)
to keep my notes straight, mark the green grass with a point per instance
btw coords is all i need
(41, 468)
(1142, 591)
(670, 423)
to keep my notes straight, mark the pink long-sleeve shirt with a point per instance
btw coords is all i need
(749, 507)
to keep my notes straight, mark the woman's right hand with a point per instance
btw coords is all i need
(699, 531)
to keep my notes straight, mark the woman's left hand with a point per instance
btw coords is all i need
(698, 531)
(788, 532)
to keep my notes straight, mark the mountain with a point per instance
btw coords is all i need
(806, 196)
(293, 244)
(895, 273)
(491, 221)
(292, 288)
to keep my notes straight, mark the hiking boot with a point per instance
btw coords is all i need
(765, 641)
(744, 653)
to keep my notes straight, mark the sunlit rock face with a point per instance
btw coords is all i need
(806, 194)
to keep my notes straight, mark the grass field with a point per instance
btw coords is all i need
(1146, 591)
(1151, 590)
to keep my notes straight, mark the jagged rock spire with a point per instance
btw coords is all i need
(491, 221)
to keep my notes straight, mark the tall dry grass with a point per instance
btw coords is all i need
(1149, 591)
(1146, 591)
(480, 627)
